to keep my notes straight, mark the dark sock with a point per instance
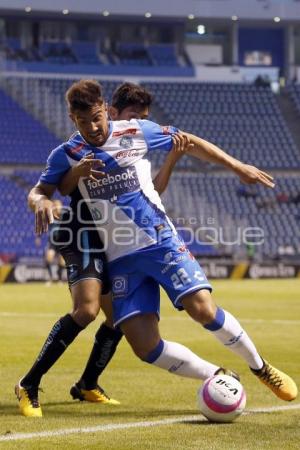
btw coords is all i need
(62, 334)
(106, 342)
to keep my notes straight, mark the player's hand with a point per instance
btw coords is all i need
(181, 144)
(45, 212)
(253, 175)
(87, 167)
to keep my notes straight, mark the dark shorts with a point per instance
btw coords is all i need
(84, 261)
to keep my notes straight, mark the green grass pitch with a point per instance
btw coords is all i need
(270, 312)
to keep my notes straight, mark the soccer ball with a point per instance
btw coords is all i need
(221, 398)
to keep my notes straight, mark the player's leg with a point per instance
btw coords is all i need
(201, 307)
(60, 337)
(143, 335)
(61, 266)
(92, 273)
(86, 305)
(227, 329)
(49, 261)
(106, 341)
(136, 310)
(187, 286)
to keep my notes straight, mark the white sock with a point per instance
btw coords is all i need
(181, 361)
(228, 330)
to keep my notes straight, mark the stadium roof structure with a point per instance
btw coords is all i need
(231, 9)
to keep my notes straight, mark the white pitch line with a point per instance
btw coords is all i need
(15, 314)
(122, 426)
(271, 409)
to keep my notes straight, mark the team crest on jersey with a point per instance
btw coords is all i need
(98, 265)
(126, 141)
(73, 272)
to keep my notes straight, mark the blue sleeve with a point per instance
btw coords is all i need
(157, 137)
(57, 165)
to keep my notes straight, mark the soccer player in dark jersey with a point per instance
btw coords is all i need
(88, 281)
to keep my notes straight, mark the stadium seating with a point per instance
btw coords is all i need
(86, 52)
(44, 98)
(294, 93)
(133, 54)
(216, 207)
(23, 138)
(163, 54)
(223, 208)
(84, 56)
(17, 223)
(57, 52)
(242, 119)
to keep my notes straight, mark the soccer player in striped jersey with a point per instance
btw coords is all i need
(150, 253)
(88, 281)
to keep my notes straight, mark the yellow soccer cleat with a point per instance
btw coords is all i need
(28, 401)
(279, 382)
(96, 395)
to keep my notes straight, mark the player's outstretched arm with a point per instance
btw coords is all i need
(180, 146)
(207, 151)
(39, 201)
(85, 168)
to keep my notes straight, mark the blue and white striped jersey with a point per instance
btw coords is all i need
(125, 207)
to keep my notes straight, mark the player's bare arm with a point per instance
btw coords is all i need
(85, 168)
(39, 201)
(181, 144)
(248, 174)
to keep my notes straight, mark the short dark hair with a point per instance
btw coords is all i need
(128, 94)
(83, 94)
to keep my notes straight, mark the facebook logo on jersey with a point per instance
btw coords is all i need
(116, 182)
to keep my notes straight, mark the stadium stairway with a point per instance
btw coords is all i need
(290, 115)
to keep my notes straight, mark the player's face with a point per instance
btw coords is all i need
(92, 124)
(130, 112)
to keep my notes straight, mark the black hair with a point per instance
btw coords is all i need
(128, 94)
(83, 94)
